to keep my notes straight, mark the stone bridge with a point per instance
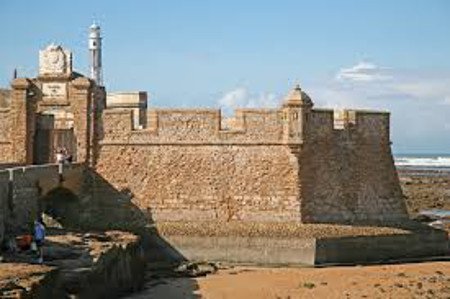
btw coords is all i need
(22, 187)
(74, 195)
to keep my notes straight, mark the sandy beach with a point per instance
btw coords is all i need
(420, 280)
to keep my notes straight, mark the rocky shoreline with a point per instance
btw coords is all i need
(425, 190)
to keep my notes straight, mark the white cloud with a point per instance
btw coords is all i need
(424, 88)
(418, 99)
(368, 84)
(241, 97)
(234, 98)
(363, 72)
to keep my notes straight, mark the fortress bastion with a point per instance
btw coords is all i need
(293, 163)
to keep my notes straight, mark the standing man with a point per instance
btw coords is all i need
(59, 156)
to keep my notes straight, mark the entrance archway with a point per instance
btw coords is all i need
(54, 131)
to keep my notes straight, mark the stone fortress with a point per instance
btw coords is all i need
(295, 163)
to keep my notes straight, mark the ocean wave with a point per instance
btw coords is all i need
(437, 161)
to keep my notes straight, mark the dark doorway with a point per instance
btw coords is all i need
(48, 139)
(43, 139)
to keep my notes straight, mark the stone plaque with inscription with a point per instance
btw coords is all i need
(55, 90)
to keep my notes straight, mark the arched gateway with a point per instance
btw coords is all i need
(56, 110)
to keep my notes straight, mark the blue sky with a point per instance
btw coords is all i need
(392, 55)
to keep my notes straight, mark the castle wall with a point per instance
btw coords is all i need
(348, 174)
(5, 135)
(184, 167)
(19, 124)
(135, 101)
(5, 98)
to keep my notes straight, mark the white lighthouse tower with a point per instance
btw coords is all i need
(95, 53)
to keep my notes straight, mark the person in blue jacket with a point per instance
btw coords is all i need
(39, 238)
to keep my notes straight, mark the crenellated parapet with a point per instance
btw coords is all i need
(194, 126)
(356, 125)
(292, 124)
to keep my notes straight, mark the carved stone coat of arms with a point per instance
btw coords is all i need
(54, 60)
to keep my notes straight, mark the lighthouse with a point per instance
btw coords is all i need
(95, 53)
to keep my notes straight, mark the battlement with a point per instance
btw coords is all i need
(134, 100)
(194, 126)
(258, 126)
(365, 125)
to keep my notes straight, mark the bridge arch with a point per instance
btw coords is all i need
(22, 187)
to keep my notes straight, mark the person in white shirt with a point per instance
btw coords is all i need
(59, 156)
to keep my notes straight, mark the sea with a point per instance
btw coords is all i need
(433, 162)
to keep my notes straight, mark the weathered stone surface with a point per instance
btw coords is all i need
(274, 165)
(205, 183)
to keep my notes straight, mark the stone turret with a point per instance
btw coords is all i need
(298, 98)
(296, 107)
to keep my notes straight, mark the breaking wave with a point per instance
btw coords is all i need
(431, 161)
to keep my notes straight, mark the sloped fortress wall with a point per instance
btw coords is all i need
(348, 172)
(294, 163)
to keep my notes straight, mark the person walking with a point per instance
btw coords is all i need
(39, 237)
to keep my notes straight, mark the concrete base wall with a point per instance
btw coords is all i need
(272, 251)
(245, 250)
(381, 248)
